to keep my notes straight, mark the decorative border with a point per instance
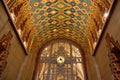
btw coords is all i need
(4, 50)
(13, 26)
(106, 23)
(114, 56)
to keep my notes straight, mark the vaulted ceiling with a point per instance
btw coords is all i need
(40, 21)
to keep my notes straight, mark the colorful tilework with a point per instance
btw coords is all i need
(68, 19)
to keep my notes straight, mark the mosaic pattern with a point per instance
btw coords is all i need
(76, 20)
(61, 19)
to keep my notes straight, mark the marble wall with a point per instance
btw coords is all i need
(102, 59)
(12, 55)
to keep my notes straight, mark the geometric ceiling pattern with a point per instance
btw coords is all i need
(60, 19)
(77, 20)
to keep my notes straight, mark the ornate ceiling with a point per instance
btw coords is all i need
(40, 21)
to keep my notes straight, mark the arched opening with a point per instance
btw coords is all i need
(60, 60)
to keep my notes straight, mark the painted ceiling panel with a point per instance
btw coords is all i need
(43, 20)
